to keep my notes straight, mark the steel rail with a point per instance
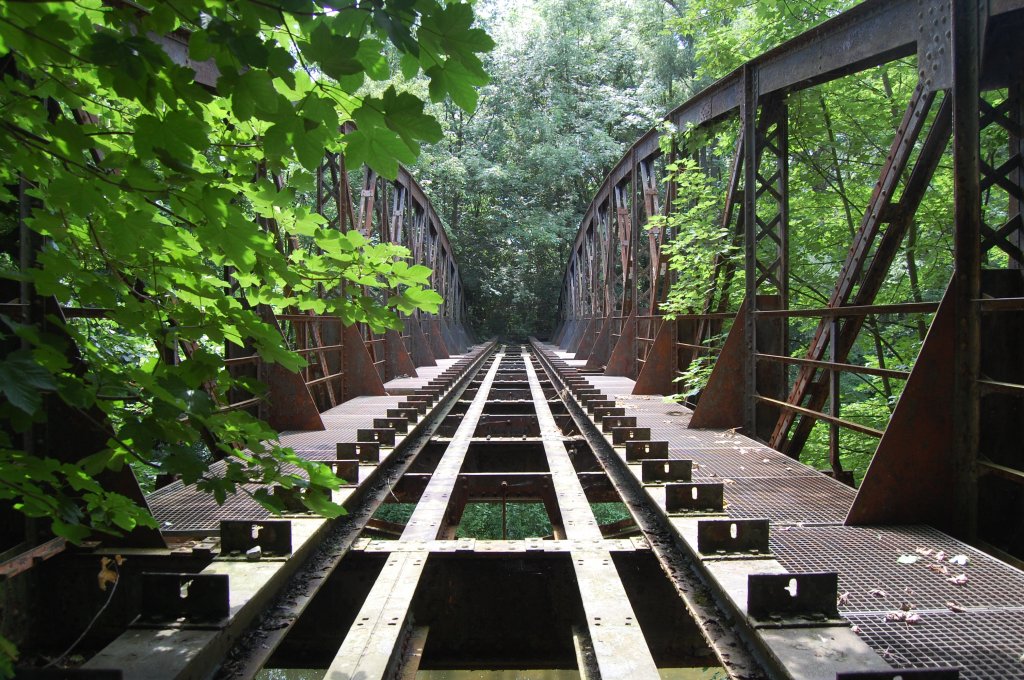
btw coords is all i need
(620, 649)
(253, 649)
(371, 649)
(736, 646)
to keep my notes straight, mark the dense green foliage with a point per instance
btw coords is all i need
(840, 133)
(147, 187)
(574, 82)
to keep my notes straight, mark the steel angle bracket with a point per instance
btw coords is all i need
(184, 600)
(797, 600)
(733, 539)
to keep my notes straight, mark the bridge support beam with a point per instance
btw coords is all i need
(622, 361)
(585, 340)
(436, 339)
(361, 378)
(910, 476)
(659, 369)
(602, 348)
(419, 346)
(397, 361)
(724, 402)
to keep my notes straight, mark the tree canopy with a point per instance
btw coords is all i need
(573, 83)
(180, 207)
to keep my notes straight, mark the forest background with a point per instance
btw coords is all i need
(575, 82)
(567, 86)
(511, 170)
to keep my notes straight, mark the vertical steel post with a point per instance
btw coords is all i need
(1016, 115)
(636, 195)
(966, 55)
(833, 396)
(609, 256)
(782, 143)
(748, 121)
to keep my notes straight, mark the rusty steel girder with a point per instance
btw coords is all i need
(615, 278)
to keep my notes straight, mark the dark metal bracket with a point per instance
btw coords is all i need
(733, 538)
(611, 422)
(183, 600)
(793, 600)
(385, 436)
(606, 411)
(660, 470)
(644, 449)
(695, 497)
(364, 452)
(621, 435)
(347, 470)
(273, 536)
(398, 424)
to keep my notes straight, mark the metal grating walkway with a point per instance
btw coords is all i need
(969, 613)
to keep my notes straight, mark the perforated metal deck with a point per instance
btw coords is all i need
(981, 644)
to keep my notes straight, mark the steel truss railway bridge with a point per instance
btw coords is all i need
(728, 556)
